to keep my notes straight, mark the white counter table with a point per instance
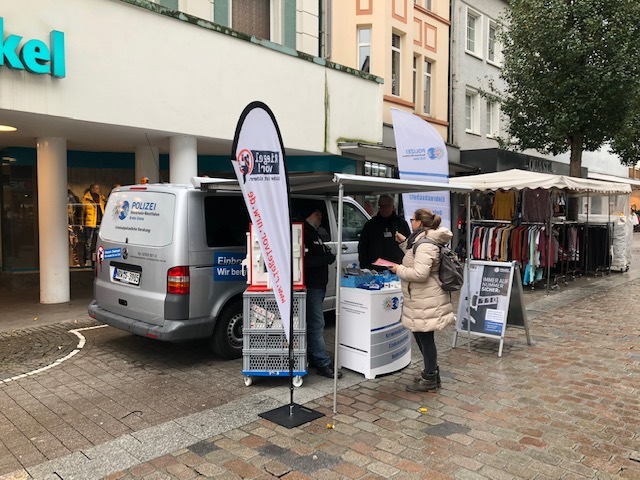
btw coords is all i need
(372, 340)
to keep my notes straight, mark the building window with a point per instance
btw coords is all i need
(491, 50)
(415, 80)
(471, 112)
(373, 169)
(364, 49)
(473, 31)
(426, 87)
(252, 17)
(424, 3)
(395, 64)
(493, 117)
(494, 51)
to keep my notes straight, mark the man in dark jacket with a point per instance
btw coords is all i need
(378, 237)
(317, 259)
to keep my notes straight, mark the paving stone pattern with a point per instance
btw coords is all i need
(117, 384)
(566, 407)
(36, 347)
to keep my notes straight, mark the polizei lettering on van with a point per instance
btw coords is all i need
(144, 205)
(34, 55)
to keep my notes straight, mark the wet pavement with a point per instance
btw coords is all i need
(565, 407)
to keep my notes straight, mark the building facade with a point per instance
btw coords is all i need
(131, 88)
(406, 43)
(476, 120)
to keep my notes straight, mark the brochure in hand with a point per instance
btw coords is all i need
(381, 262)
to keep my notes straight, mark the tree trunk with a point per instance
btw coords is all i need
(575, 165)
(575, 170)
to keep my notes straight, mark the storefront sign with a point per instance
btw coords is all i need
(34, 55)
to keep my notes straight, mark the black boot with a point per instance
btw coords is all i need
(428, 383)
(423, 374)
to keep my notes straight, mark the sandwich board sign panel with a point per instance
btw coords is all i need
(491, 299)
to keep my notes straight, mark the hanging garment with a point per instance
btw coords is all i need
(536, 205)
(504, 203)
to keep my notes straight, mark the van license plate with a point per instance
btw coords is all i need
(126, 276)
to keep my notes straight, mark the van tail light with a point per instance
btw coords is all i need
(178, 280)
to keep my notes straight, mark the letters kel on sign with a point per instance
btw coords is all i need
(34, 55)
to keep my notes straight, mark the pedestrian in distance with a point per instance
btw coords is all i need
(93, 211)
(317, 259)
(377, 239)
(74, 226)
(427, 307)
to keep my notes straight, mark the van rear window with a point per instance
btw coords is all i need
(139, 218)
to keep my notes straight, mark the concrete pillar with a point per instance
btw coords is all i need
(147, 163)
(183, 159)
(52, 220)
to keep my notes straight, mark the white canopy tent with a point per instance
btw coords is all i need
(521, 179)
(355, 184)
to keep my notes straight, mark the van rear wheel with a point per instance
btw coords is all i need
(227, 334)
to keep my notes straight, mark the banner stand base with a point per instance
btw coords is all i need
(292, 415)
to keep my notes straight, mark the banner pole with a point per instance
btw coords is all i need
(291, 357)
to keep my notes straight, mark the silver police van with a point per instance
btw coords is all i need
(168, 260)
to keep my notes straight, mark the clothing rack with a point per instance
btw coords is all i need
(598, 260)
(568, 253)
(576, 248)
(502, 241)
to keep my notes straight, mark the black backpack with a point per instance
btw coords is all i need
(451, 272)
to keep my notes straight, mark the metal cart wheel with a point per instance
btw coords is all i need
(297, 381)
(248, 381)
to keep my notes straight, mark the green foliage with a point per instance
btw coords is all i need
(626, 143)
(571, 71)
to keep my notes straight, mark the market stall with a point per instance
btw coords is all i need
(354, 185)
(525, 221)
(346, 184)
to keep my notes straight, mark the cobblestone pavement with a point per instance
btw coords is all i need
(567, 407)
(36, 347)
(127, 408)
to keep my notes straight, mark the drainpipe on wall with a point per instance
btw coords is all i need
(324, 22)
(452, 43)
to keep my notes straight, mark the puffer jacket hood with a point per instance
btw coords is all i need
(441, 235)
(426, 306)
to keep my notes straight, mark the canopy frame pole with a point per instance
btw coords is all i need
(609, 237)
(550, 239)
(586, 240)
(468, 268)
(336, 364)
